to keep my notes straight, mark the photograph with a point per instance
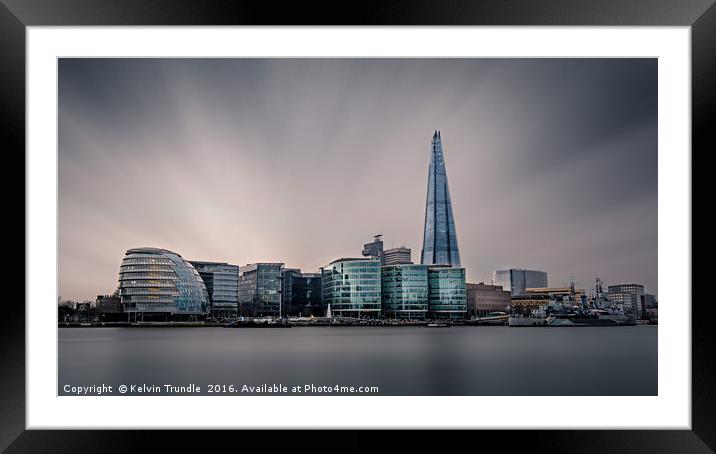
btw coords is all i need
(377, 226)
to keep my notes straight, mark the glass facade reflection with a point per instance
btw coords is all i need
(260, 289)
(518, 280)
(404, 290)
(439, 237)
(159, 281)
(222, 283)
(447, 293)
(352, 287)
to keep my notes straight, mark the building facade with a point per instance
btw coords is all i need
(352, 287)
(447, 293)
(404, 291)
(260, 289)
(629, 296)
(518, 280)
(160, 282)
(374, 250)
(222, 284)
(397, 256)
(301, 293)
(483, 299)
(439, 235)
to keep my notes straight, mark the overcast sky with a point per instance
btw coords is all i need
(552, 163)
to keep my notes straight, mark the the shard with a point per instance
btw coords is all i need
(439, 238)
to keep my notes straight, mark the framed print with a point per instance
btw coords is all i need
(412, 218)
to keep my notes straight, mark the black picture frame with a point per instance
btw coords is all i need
(16, 15)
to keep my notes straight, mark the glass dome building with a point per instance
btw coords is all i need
(158, 281)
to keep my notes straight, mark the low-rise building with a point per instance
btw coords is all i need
(483, 299)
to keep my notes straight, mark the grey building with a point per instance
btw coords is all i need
(628, 295)
(374, 250)
(397, 256)
(222, 283)
(260, 289)
(518, 280)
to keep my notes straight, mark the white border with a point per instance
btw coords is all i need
(671, 409)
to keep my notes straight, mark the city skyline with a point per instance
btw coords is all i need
(552, 162)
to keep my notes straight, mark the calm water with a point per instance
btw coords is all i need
(400, 361)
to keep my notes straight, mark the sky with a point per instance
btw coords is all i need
(551, 163)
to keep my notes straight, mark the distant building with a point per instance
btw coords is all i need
(447, 293)
(527, 302)
(439, 234)
(404, 290)
(628, 295)
(352, 287)
(374, 250)
(159, 284)
(518, 280)
(260, 289)
(222, 284)
(649, 300)
(558, 293)
(108, 303)
(483, 299)
(301, 293)
(397, 256)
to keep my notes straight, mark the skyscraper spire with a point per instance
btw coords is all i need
(439, 237)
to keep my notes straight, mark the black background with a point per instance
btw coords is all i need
(15, 15)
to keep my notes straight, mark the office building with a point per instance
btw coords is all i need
(447, 293)
(301, 293)
(483, 299)
(374, 250)
(352, 287)
(260, 289)
(629, 296)
(404, 290)
(439, 235)
(518, 280)
(158, 283)
(397, 256)
(222, 284)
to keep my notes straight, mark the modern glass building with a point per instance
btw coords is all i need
(260, 289)
(222, 284)
(404, 290)
(439, 237)
(158, 281)
(352, 287)
(447, 294)
(301, 293)
(518, 280)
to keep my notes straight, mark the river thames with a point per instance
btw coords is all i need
(463, 360)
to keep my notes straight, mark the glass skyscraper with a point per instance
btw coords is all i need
(439, 238)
